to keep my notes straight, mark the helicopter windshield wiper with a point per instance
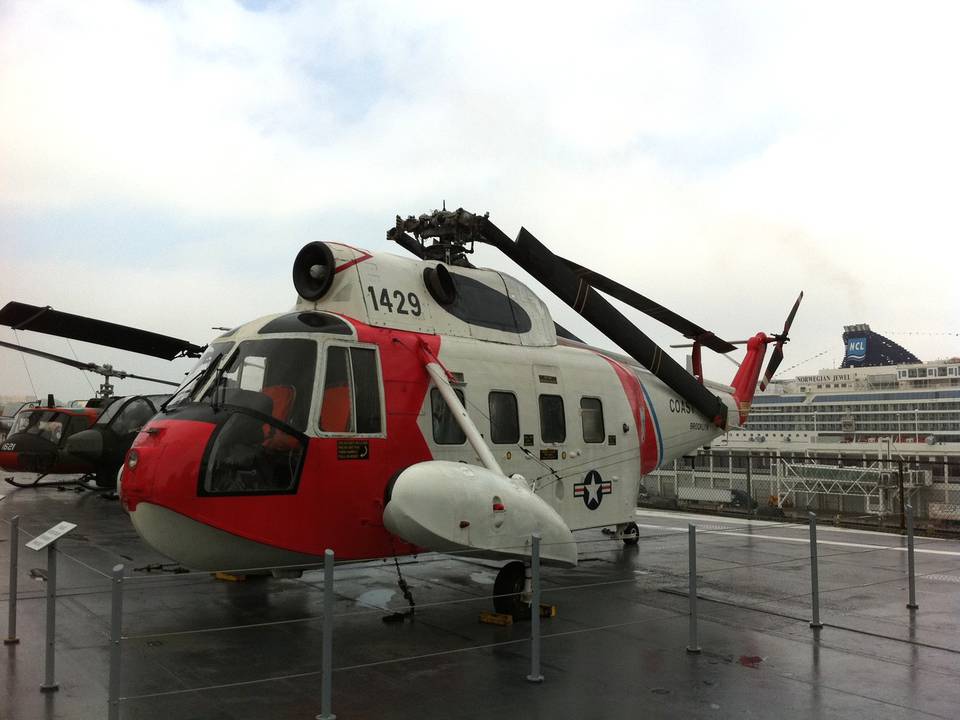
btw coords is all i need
(218, 378)
(201, 377)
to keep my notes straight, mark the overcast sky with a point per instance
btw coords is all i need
(162, 163)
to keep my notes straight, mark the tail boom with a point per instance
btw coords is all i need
(745, 381)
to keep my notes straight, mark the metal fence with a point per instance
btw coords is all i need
(128, 638)
(868, 489)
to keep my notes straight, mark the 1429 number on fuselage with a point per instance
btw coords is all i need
(394, 301)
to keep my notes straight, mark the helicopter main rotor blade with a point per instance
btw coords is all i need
(534, 257)
(49, 356)
(87, 367)
(21, 316)
(150, 379)
(649, 307)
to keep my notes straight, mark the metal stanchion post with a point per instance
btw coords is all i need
(116, 628)
(12, 638)
(326, 684)
(693, 646)
(535, 675)
(49, 685)
(912, 604)
(814, 577)
(902, 496)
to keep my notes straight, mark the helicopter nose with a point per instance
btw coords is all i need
(86, 444)
(163, 464)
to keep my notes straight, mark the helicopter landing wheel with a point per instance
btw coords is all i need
(508, 586)
(630, 534)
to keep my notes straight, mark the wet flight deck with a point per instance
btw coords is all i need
(200, 647)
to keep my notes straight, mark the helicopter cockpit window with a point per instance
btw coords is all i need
(75, 425)
(266, 388)
(351, 392)
(252, 457)
(189, 387)
(47, 424)
(132, 416)
(446, 430)
(504, 418)
(112, 409)
(273, 377)
(307, 322)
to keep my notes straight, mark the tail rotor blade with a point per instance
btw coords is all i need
(792, 315)
(776, 357)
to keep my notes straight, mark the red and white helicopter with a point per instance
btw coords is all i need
(418, 404)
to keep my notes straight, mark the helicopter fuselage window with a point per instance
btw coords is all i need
(479, 304)
(553, 424)
(504, 418)
(591, 415)
(351, 392)
(446, 430)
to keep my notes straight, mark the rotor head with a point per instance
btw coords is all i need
(443, 235)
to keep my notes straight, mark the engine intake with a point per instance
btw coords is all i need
(313, 270)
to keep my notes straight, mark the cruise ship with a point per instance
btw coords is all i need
(880, 392)
(878, 433)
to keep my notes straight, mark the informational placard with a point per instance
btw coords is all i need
(353, 450)
(54, 533)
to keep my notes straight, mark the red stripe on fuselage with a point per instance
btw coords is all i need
(364, 255)
(649, 453)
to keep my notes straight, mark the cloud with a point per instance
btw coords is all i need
(174, 156)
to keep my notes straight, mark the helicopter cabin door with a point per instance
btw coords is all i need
(549, 446)
(351, 410)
